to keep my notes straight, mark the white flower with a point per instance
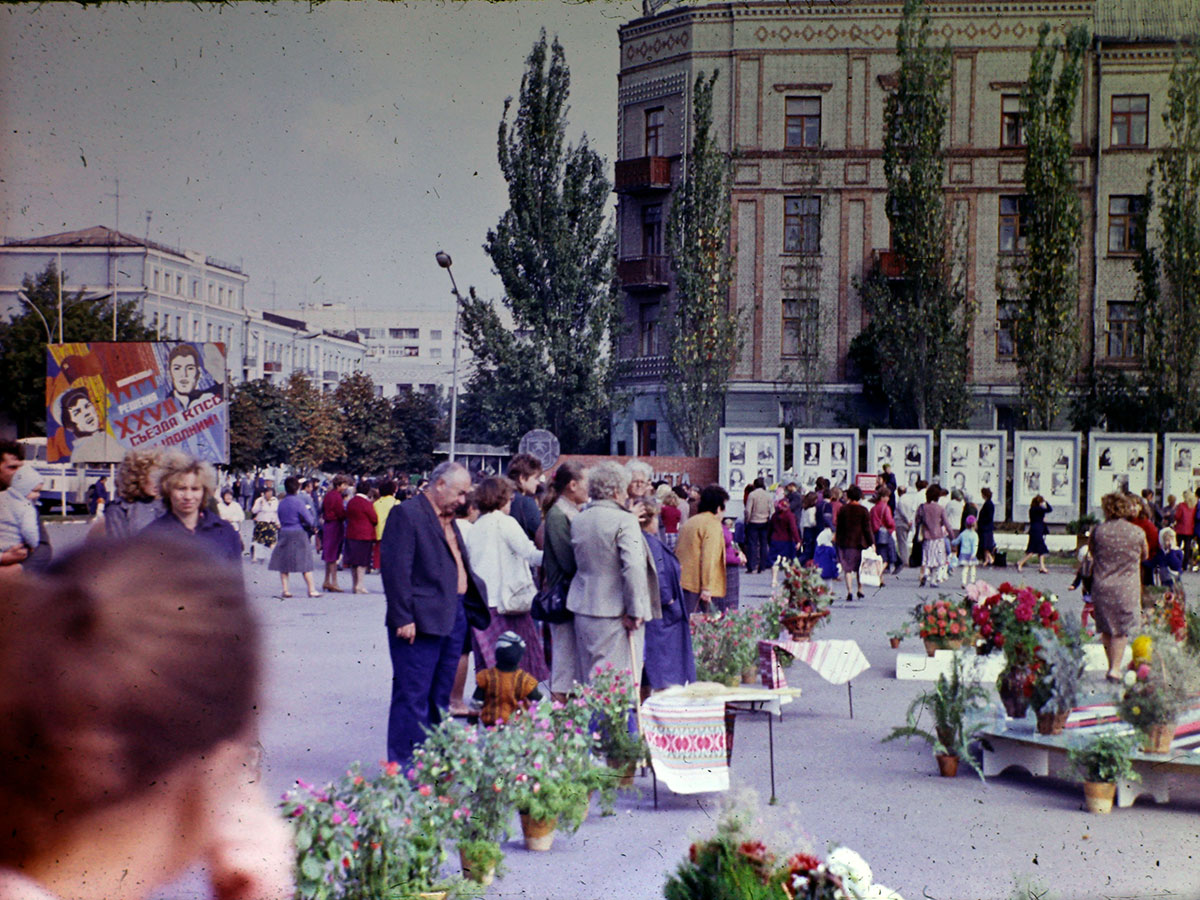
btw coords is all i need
(852, 869)
(1130, 678)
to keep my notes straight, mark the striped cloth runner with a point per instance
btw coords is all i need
(835, 661)
(687, 742)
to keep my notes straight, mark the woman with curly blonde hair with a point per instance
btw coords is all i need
(136, 502)
(186, 486)
(1118, 549)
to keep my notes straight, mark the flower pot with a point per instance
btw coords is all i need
(483, 875)
(931, 647)
(1051, 723)
(539, 833)
(1011, 687)
(895, 642)
(1098, 796)
(1158, 738)
(947, 765)
(750, 675)
(625, 770)
(800, 625)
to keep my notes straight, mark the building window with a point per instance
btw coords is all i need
(403, 388)
(655, 119)
(799, 329)
(1006, 345)
(179, 285)
(156, 279)
(802, 224)
(435, 335)
(208, 332)
(1124, 222)
(1123, 337)
(212, 292)
(652, 230)
(435, 352)
(429, 389)
(195, 288)
(1012, 121)
(647, 437)
(409, 334)
(1013, 224)
(648, 329)
(803, 122)
(1130, 120)
(410, 351)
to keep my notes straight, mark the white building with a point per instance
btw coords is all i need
(183, 295)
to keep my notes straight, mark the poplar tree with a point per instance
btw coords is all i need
(703, 337)
(553, 250)
(919, 322)
(372, 442)
(1046, 320)
(1169, 276)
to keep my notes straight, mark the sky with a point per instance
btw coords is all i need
(331, 150)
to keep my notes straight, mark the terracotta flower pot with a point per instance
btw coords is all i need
(931, 647)
(750, 675)
(625, 770)
(539, 833)
(895, 642)
(1051, 723)
(1158, 738)
(484, 875)
(947, 765)
(1099, 795)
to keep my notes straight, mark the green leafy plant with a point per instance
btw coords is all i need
(1105, 758)
(1057, 683)
(481, 855)
(612, 697)
(1081, 526)
(953, 704)
(1162, 679)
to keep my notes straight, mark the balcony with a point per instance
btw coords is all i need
(642, 367)
(644, 273)
(648, 173)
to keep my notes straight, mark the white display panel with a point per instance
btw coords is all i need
(910, 454)
(1119, 462)
(746, 454)
(1181, 464)
(1046, 463)
(828, 453)
(976, 459)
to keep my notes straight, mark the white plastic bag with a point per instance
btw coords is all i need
(870, 570)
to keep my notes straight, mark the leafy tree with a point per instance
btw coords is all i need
(23, 342)
(419, 418)
(553, 252)
(320, 431)
(1169, 277)
(262, 428)
(1046, 324)
(703, 338)
(372, 442)
(1112, 400)
(919, 323)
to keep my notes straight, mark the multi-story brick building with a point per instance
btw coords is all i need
(799, 102)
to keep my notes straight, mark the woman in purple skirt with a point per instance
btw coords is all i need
(333, 511)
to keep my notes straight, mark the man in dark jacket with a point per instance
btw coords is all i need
(432, 596)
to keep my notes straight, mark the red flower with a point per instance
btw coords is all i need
(802, 862)
(392, 768)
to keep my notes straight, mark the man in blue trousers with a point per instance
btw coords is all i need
(432, 597)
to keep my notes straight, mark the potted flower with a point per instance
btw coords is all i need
(1101, 762)
(1057, 682)
(1163, 677)
(1081, 527)
(714, 648)
(1168, 610)
(1006, 619)
(943, 624)
(953, 704)
(896, 635)
(805, 598)
(613, 699)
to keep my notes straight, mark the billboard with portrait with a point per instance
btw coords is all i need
(747, 454)
(972, 460)
(103, 399)
(1119, 462)
(1046, 463)
(1181, 464)
(829, 453)
(909, 453)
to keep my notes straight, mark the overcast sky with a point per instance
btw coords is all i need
(330, 150)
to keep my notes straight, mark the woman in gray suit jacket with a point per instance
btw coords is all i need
(615, 589)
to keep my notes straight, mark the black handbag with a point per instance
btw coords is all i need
(550, 605)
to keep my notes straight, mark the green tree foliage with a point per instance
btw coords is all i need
(919, 323)
(1169, 276)
(1046, 324)
(703, 338)
(23, 342)
(553, 252)
(1112, 400)
(262, 427)
(419, 417)
(373, 444)
(319, 437)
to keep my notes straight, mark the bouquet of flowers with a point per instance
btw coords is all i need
(719, 644)
(943, 622)
(1162, 679)
(1169, 613)
(612, 697)
(1007, 618)
(801, 588)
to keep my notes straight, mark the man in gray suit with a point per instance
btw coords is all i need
(615, 589)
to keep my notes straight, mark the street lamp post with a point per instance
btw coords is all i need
(443, 260)
(21, 296)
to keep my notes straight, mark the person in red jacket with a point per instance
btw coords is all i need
(883, 526)
(785, 533)
(333, 512)
(361, 520)
(852, 535)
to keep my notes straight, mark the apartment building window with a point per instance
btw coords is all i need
(429, 388)
(435, 352)
(1124, 222)
(155, 280)
(1123, 339)
(648, 329)
(410, 351)
(179, 285)
(1013, 213)
(212, 292)
(803, 122)
(195, 288)
(1130, 120)
(652, 230)
(179, 327)
(404, 389)
(1006, 345)
(1012, 121)
(799, 330)
(435, 335)
(208, 332)
(655, 119)
(802, 224)
(408, 334)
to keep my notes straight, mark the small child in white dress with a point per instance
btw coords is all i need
(967, 543)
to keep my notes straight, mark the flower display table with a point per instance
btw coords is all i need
(837, 661)
(686, 732)
(983, 669)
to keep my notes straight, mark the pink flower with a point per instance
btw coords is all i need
(424, 790)
(1143, 672)
(336, 819)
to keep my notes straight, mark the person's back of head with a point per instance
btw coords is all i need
(921, 484)
(932, 493)
(854, 493)
(713, 498)
(760, 483)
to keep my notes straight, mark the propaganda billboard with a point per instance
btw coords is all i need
(103, 399)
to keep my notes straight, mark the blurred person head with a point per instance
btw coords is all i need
(186, 484)
(713, 499)
(227, 496)
(525, 469)
(11, 456)
(569, 481)
(985, 493)
(854, 493)
(447, 487)
(137, 475)
(1166, 539)
(494, 494)
(608, 481)
(291, 484)
(639, 478)
(1117, 505)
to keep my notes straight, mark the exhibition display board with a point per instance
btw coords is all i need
(1119, 462)
(972, 460)
(1181, 464)
(829, 453)
(1046, 463)
(746, 454)
(910, 454)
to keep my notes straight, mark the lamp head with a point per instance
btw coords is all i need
(443, 259)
